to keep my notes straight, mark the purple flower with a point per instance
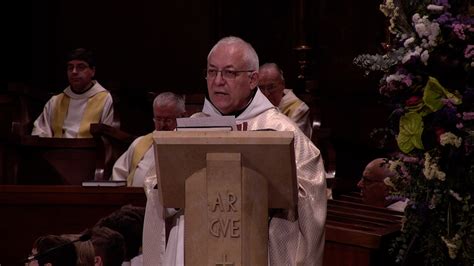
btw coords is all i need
(395, 198)
(442, 3)
(445, 18)
(468, 115)
(469, 51)
(459, 28)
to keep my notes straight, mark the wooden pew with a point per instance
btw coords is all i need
(31, 211)
(359, 234)
(356, 234)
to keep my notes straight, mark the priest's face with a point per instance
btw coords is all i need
(229, 79)
(271, 85)
(165, 117)
(80, 75)
(372, 187)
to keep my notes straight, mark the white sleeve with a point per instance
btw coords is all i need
(121, 168)
(108, 111)
(42, 125)
(301, 116)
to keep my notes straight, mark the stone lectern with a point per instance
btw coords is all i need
(226, 181)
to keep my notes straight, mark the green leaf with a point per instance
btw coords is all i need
(411, 128)
(434, 93)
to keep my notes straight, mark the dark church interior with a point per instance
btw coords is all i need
(143, 48)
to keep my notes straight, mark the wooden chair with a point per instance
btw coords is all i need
(111, 143)
(14, 122)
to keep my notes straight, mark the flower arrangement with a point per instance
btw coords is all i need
(427, 69)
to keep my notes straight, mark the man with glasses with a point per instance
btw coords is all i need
(139, 158)
(272, 83)
(70, 113)
(294, 239)
(373, 189)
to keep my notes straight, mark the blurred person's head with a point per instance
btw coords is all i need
(271, 82)
(109, 247)
(231, 74)
(167, 106)
(372, 186)
(64, 253)
(128, 221)
(84, 250)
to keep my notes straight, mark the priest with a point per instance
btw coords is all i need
(70, 113)
(294, 238)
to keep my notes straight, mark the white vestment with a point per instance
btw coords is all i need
(43, 125)
(297, 111)
(121, 168)
(291, 241)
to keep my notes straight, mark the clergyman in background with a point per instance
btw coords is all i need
(70, 113)
(272, 84)
(373, 189)
(133, 164)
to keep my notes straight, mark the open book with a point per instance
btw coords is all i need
(211, 123)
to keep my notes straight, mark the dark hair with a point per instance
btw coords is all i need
(64, 256)
(82, 54)
(128, 221)
(109, 245)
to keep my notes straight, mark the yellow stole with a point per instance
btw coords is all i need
(290, 109)
(140, 149)
(92, 113)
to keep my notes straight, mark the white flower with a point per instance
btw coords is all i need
(412, 53)
(424, 57)
(421, 29)
(431, 169)
(451, 139)
(433, 202)
(435, 8)
(455, 195)
(453, 245)
(415, 17)
(389, 182)
(395, 77)
(427, 30)
(409, 41)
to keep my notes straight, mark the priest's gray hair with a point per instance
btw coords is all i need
(274, 66)
(168, 98)
(250, 55)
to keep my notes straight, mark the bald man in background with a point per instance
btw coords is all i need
(373, 189)
(272, 84)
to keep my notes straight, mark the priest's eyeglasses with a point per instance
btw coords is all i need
(211, 73)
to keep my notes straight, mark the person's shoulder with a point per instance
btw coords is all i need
(56, 96)
(199, 114)
(274, 116)
(135, 141)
